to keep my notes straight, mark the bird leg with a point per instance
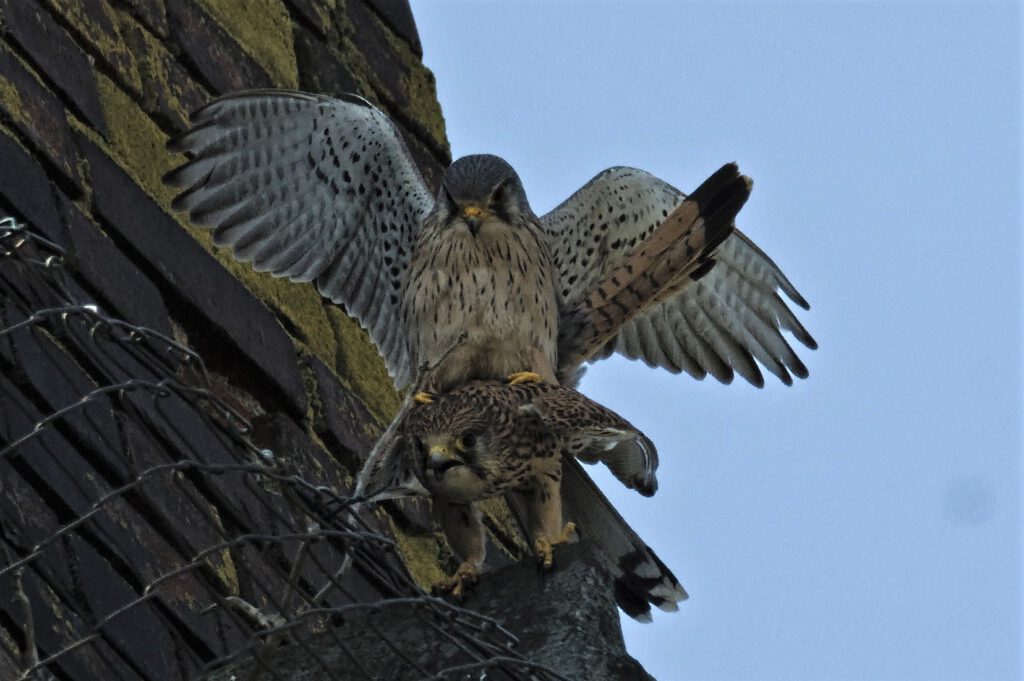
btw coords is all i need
(424, 397)
(542, 499)
(463, 526)
(543, 546)
(523, 377)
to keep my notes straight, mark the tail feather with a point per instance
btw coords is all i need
(680, 250)
(641, 578)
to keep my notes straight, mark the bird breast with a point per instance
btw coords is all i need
(484, 305)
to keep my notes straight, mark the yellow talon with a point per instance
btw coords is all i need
(423, 398)
(543, 546)
(457, 585)
(524, 377)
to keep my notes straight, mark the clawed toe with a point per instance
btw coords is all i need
(457, 585)
(424, 397)
(544, 546)
(523, 377)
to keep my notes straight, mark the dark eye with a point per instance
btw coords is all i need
(498, 195)
(467, 439)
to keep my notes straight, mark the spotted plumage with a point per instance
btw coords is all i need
(324, 190)
(487, 438)
(468, 283)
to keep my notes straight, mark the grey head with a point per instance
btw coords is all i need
(480, 186)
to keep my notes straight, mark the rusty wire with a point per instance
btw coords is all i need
(143, 535)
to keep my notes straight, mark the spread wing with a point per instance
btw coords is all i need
(594, 433)
(728, 320)
(314, 189)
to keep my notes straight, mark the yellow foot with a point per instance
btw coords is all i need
(465, 577)
(543, 545)
(423, 398)
(523, 377)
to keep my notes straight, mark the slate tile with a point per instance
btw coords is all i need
(187, 269)
(169, 92)
(97, 259)
(398, 16)
(213, 52)
(314, 14)
(56, 55)
(320, 67)
(94, 23)
(25, 187)
(151, 13)
(38, 114)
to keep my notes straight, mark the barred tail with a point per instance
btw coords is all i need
(680, 250)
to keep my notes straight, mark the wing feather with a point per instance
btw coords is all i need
(727, 321)
(314, 189)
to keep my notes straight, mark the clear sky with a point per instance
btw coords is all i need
(865, 523)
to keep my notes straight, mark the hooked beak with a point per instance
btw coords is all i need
(440, 460)
(472, 216)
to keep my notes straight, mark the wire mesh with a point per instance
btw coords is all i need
(143, 535)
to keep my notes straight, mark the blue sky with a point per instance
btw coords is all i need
(865, 523)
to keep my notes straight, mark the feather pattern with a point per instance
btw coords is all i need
(726, 321)
(314, 189)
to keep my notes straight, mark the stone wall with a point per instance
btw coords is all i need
(90, 91)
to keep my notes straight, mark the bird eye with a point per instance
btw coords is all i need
(498, 194)
(467, 440)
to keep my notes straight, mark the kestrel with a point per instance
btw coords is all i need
(469, 283)
(487, 438)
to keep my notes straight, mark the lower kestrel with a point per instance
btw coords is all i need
(488, 438)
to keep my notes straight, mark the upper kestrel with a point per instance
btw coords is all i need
(470, 283)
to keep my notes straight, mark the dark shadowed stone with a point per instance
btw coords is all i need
(49, 468)
(25, 188)
(56, 55)
(214, 53)
(312, 13)
(564, 619)
(94, 24)
(169, 92)
(223, 302)
(151, 13)
(338, 418)
(398, 15)
(129, 294)
(37, 114)
(320, 67)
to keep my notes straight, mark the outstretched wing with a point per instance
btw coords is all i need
(314, 189)
(723, 321)
(594, 433)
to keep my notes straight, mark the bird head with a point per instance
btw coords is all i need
(481, 189)
(458, 464)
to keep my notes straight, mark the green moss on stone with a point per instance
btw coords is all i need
(420, 87)
(264, 30)
(10, 100)
(93, 21)
(151, 61)
(424, 555)
(362, 369)
(134, 141)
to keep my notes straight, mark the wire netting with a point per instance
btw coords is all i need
(144, 536)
